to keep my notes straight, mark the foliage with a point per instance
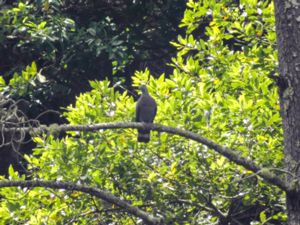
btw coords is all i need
(73, 42)
(219, 88)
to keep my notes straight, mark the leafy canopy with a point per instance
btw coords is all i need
(219, 88)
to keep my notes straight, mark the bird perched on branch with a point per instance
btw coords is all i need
(145, 112)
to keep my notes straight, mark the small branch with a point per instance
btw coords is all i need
(106, 196)
(232, 155)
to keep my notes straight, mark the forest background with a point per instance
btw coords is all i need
(211, 67)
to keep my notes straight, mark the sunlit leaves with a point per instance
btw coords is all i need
(23, 84)
(219, 88)
(240, 103)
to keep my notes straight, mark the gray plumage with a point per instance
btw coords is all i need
(145, 112)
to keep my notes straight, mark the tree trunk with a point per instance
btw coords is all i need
(287, 13)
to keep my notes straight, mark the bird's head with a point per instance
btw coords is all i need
(144, 89)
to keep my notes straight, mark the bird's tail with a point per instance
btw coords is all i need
(143, 135)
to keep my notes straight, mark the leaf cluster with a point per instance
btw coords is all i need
(220, 89)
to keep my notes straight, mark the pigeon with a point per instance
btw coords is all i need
(146, 108)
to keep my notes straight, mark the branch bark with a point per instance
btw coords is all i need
(232, 155)
(104, 195)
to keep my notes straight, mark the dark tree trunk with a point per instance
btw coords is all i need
(287, 15)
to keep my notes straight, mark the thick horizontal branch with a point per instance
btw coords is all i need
(230, 154)
(104, 195)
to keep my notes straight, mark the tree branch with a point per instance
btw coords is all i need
(106, 196)
(232, 155)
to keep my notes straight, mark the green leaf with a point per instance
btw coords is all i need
(262, 217)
